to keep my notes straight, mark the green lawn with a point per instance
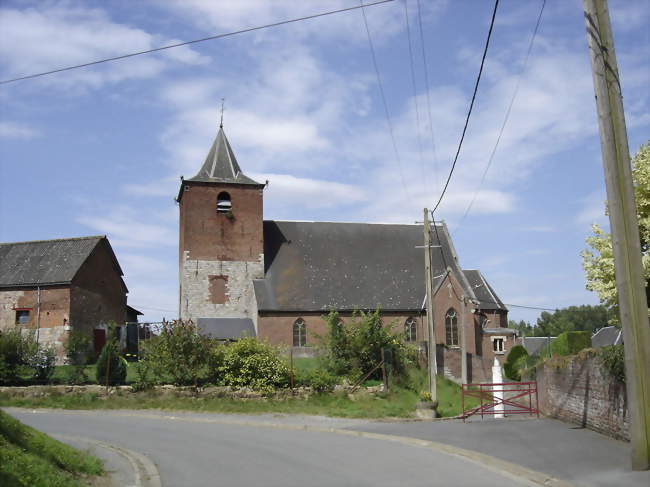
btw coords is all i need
(31, 458)
(399, 402)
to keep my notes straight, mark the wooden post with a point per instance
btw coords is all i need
(630, 284)
(429, 286)
(463, 342)
(291, 368)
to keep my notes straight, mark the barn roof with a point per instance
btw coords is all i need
(609, 335)
(317, 266)
(46, 262)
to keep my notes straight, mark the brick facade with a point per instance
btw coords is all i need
(219, 254)
(579, 390)
(96, 295)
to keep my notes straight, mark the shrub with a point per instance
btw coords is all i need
(14, 346)
(111, 367)
(249, 362)
(42, 360)
(613, 359)
(19, 352)
(570, 342)
(77, 352)
(320, 380)
(180, 351)
(510, 365)
(144, 380)
(356, 349)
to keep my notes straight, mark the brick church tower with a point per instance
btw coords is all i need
(221, 247)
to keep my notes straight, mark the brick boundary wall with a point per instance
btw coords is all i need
(579, 390)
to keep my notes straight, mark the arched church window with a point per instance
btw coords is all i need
(224, 205)
(410, 330)
(451, 327)
(299, 333)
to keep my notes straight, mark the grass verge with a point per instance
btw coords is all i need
(31, 458)
(399, 402)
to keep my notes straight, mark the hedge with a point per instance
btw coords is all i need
(571, 342)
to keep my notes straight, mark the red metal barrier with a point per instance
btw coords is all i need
(512, 404)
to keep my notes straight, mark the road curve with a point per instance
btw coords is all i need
(189, 451)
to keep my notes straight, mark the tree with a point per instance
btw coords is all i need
(523, 327)
(574, 318)
(598, 260)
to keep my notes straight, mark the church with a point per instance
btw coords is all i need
(242, 275)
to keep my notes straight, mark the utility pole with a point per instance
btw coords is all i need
(463, 342)
(429, 286)
(630, 284)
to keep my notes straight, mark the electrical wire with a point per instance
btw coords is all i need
(195, 41)
(427, 89)
(415, 93)
(471, 106)
(507, 116)
(383, 99)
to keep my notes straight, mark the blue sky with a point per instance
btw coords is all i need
(99, 150)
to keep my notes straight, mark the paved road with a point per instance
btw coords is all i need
(564, 451)
(193, 450)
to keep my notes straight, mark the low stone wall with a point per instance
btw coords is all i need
(578, 389)
(170, 391)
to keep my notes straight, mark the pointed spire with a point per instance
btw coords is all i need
(220, 165)
(221, 122)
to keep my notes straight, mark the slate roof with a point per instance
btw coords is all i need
(609, 335)
(534, 344)
(484, 293)
(226, 328)
(317, 266)
(221, 166)
(46, 262)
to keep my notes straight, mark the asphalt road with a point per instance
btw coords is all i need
(190, 450)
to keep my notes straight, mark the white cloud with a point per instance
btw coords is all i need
(63, 34)
(125, 230)
(13, 130)
(286, 190)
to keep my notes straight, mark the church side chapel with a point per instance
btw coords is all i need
(241, 275)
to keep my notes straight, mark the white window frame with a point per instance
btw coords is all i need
(503, 344)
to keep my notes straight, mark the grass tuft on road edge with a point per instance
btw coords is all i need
(399, 402)
(31, 458)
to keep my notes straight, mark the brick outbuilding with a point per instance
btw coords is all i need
(56, 286)
(240, 273)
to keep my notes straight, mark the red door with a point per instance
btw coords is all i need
(99, 339)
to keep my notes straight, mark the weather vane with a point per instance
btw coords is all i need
(221, 123)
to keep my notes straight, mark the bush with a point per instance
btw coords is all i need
(42, 360)
(570, 342)
(613, 359)
(512, 360)
(180, 351)
(356, 349)
(19, 352)
(77, 352)
(249, 362)
(111, 367)
(14, 347)
(320, 380)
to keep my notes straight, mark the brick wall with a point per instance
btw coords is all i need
(278, 328)
(579, 390)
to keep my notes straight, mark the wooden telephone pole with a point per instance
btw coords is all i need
(433, 368)
(630, 283)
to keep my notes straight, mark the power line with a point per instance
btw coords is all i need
(415, 93)
(426, 86)
(383, 99)
(195, 41)
(471, 106)
(505, 119)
